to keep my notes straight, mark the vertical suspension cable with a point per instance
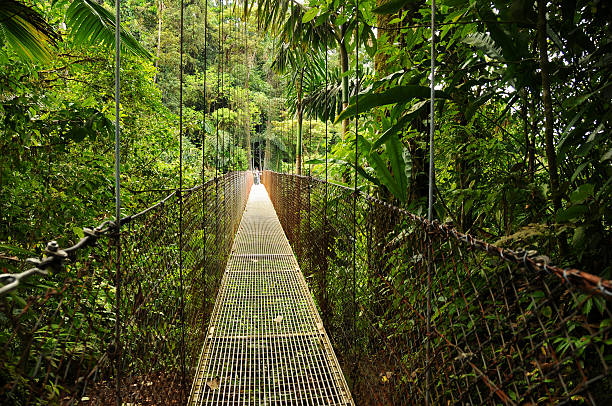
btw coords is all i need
(355, 189)
(430, 192)
(251, 156)
(219, 56)
(222, 60)
(310, 143)
(117, 202)
(326, 117)
(204, 109)
(180, 242)
(232, 91)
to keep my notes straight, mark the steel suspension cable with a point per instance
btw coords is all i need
(117, 202)
(251, 156)
(326, 118)
(180, 195)
(222, 64)
(355, 188)
(430, 191)
(232, 91)
(204, 111)
(217, 103)
(310, 142)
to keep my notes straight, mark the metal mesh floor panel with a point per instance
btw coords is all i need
(266, 343)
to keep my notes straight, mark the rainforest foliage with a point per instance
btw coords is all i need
(522, 150)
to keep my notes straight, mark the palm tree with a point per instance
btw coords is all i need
(32, 38)
(308, 92)
(298, 28)
(301, 33)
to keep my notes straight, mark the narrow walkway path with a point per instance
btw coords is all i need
(266, 343)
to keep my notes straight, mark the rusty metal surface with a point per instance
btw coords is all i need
(266, 343)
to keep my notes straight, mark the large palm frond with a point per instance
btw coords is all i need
(285, 18)
(322, 97)
(26, 31)
(90, 23)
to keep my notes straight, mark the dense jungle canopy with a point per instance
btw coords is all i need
(522, 151)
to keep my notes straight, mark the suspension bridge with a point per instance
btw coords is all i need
(300, 291)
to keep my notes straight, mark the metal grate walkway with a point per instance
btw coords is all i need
(266, 343)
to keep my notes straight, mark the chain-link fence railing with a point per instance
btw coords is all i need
(503, 327)
(85, 334)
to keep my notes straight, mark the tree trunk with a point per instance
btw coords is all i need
(530, 135)
(551, 155)
(344, 67)
(300, 117)
(267, 156)
(382, 22)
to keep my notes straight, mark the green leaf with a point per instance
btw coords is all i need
(369, 41)
(582, 193)
(578, 170)
(397, 94)
(310, 14)
(78, 231)
(383, 175)
(380, 167)
(401, 123)
(26, 31)
(17, 250)
(90, 23)
(579, 237)
(571, 213)
(395, 152)
(77, 134)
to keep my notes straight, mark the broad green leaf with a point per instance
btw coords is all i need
(401, 123)
(310, 14)
(395, 153)
(382, 172)
(77, 134)
(579, 237)
(26, 31)
(571, 213)
(578, 170)
(582, 193)
(91, 23)
(78, 231)
(397, 94)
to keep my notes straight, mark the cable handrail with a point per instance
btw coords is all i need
(54, 256)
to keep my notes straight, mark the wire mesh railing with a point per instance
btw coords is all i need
(58, 331)
(504, 327)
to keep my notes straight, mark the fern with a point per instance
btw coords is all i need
(484, 43)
